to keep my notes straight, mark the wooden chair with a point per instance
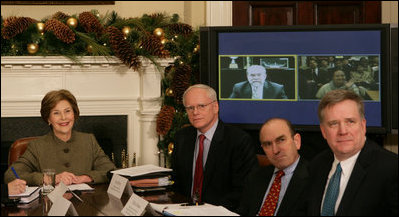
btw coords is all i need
(18, 148)
(263, 160)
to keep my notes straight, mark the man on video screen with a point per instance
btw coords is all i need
(257, 87)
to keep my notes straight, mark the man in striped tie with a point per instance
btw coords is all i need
(355, 177)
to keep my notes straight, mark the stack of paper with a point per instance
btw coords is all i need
(184, 210)
(147, 177)
(30, 194)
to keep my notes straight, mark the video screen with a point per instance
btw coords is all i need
(285, 74)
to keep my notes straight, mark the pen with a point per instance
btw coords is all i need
(75, 195)
(15, 172)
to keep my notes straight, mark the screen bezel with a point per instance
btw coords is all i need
(209, 57)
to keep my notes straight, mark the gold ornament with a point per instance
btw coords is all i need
(89, 48)
(126, 30)
(196, 49)
(72, 22)
(40, 27)
(158, 32)
(164, 40)
(170, 148)
(32, 48)
(169, 92)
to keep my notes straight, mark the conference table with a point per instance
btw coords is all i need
(95, 203)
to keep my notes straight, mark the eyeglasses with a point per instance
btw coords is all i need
(200, 107)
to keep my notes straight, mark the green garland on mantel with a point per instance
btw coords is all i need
(151, 36)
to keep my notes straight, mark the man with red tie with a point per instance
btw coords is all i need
(210, 159)
(277, 189)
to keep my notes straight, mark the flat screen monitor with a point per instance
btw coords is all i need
(260, 72)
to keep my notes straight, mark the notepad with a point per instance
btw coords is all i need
(28, 191)
(30, 194)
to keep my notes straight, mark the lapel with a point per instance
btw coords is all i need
(319, 183)
(355, 180)
(268, 91)
(246, 90)
(189, 145)
(216, 149)
(295, 188)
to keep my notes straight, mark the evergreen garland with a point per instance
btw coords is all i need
(101, 33)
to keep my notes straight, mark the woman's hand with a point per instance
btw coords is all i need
(66, 177)
(83, 179)
(17, 186)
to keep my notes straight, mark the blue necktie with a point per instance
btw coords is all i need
(332, 193)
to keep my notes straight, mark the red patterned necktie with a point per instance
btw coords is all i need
(198, 177)
(270, 204)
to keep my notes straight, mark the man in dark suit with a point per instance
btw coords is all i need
(257, 87)
(366, 175)
(227, 155)
(281, 144)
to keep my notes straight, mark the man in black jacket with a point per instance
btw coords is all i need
(281, 144)
(227, 153)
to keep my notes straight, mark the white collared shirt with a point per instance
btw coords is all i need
(257, 91)
(347, 168)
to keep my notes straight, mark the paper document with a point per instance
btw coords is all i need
(27, 193)
(202, 210)
(140, 170)
(80, 187)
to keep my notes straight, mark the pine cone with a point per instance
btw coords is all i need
(90, 23)
(153, 45)
(60, 16)
(60, 30)
(165, 119)
(122, 48)
(180, 29)
(15, 25)
(181, 81)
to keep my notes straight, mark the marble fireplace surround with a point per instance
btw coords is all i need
(102, 86)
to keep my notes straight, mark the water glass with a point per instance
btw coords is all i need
(48, 181)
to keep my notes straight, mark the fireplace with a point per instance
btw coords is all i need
(104, 88)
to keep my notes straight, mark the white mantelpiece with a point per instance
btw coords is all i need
(102, 86)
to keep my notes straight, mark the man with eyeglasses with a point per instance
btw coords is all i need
(277, 189)
(227, 153)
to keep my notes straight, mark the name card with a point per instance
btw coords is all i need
(135, 206)
(61, 207)
(58, 192)
(118, 186)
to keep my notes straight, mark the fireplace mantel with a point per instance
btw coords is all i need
(102, 86)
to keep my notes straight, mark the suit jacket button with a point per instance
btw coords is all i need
(66, 150)
(67, 165)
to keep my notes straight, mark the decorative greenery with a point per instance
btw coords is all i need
(151, 36)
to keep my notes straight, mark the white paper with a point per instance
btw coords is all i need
(80, 187)
(119, 185)
(140, 170)
(28, 192)
(201, 210)
(135, 206)
(60, 207)
(58, 192)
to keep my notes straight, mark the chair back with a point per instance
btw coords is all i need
(263, 160)
(18, 148)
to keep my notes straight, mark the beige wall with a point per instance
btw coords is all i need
(190, 12)
(389, 12)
